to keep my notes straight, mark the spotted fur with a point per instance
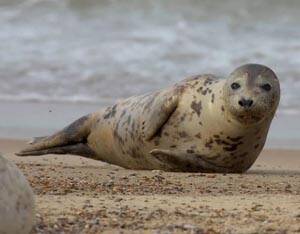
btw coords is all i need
(187, 127)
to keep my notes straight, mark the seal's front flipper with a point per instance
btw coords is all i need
(158, 110)
(180, 161)
(63, 142)
(169, 158)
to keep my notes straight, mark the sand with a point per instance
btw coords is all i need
(77, 195)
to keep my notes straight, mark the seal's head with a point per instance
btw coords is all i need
(251, 93)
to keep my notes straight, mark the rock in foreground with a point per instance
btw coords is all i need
(16, 200)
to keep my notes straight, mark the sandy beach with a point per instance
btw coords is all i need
(64, 59)
(77, 195)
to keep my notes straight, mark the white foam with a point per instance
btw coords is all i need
(90, 50)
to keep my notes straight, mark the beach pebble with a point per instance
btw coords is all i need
(157, 171)
(17, 200)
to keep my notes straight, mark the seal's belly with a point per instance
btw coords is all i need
(225, 146)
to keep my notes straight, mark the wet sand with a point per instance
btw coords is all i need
(77, 195)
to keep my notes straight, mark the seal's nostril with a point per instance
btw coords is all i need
(250, 102)
(241, 103)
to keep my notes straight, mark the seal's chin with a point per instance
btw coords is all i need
(248, 117)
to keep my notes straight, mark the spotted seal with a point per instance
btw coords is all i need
(16, 200)
(202, 124)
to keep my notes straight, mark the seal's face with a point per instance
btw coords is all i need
(251, 93)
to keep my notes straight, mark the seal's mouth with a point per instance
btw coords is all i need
(249, 117)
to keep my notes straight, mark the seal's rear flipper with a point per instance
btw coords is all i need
(70, 140)
(77, 149)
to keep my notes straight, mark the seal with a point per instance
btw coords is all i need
(17, 201)
(202, 124)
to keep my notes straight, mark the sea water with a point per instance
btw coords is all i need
(100, 51)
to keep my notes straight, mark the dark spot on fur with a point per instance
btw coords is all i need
(133, 126)
(128, 119)
(117, 136)
(135, 153)
(222, 108)
(190, 151)
(192, 78)
(151, 101)
(132, 130)
(198, 135)
(197, 106)
(183, 134)
(204, 92)
(208, 81)
(123, 113)
(256, 146)
(232, 147)
(222, 142)
(111, 112)
(234, 139)
(209, 143)
(182, 118)
(242, 155)
(173, 146)
(212, 98)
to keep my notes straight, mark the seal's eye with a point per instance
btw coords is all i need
(235, 85)
(266, 87)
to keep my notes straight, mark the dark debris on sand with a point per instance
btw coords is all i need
(115, 200)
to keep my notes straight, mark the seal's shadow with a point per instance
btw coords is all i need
(274, 172)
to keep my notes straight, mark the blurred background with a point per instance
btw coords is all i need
(60, 59)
